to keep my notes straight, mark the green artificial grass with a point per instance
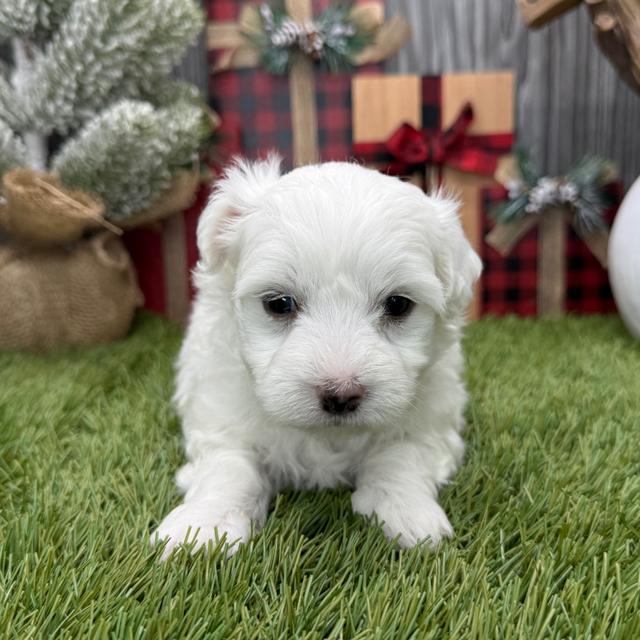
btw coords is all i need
(546, 509)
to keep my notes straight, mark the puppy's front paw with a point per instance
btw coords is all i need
(199, 524)
(410, 520)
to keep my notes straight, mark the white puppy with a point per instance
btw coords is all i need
(323, 351)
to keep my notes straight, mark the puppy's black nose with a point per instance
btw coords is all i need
(345, 400)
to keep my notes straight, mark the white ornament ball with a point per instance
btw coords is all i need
(624, 259)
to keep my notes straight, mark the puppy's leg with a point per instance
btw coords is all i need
(398, 483)
(225, 494)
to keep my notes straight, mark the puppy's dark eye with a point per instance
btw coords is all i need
(280, 306)
(397, 306)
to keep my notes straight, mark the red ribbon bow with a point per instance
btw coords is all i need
(415, 150)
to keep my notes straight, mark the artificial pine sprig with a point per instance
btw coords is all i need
(332, 39)
(12, 151)
(582, 189)
(128, 154)
(102, 51)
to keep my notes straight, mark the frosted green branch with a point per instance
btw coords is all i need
(171, 27)
(12, 150)
(32, 19)
(104, 49)
(169, 91)
(18, 18)
(128, 154)
(9, 108)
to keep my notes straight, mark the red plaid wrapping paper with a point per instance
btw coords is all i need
(510, 284)
(258, 103)
(167, 290)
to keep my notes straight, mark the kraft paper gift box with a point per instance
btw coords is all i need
(448, 130)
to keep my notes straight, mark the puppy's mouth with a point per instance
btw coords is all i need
(315, 409)
(348, 421)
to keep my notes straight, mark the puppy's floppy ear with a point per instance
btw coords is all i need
(457, 264)
(236, 195)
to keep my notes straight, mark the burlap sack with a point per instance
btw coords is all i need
(39, 211)
(53, 297)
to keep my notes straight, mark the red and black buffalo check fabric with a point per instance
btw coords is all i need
(258, 103)
(510, 284)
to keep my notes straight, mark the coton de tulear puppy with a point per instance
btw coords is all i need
(323, 351)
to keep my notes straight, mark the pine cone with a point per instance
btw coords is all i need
(287, 34)
(311, 42)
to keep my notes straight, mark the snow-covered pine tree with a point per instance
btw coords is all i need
(96, 73)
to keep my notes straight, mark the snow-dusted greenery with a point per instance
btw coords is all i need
(584, 190)
(96, 73)
(125, 154)
(12, 149)
(331, 40)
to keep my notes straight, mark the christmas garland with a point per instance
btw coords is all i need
(583, 190)
(331, 40)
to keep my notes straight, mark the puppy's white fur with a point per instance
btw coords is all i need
(339, 239)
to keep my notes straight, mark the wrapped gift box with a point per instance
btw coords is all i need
(259, 105)
(164, 255)
(464, 161)
(510, 283)
(262, 104)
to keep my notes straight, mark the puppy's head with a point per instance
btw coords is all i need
(345, 283)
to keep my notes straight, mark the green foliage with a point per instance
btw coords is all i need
(12, 151)
(584, 190)
(32, 19)
(591, 175)
(545, 508)
(128, 154)
(339, 51)
(104, 50)
(528, 170)
(170, 91)
(512, 209)
(331, 40)
(17, 18)
(9, 106)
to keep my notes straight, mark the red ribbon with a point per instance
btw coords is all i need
(414, 150)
